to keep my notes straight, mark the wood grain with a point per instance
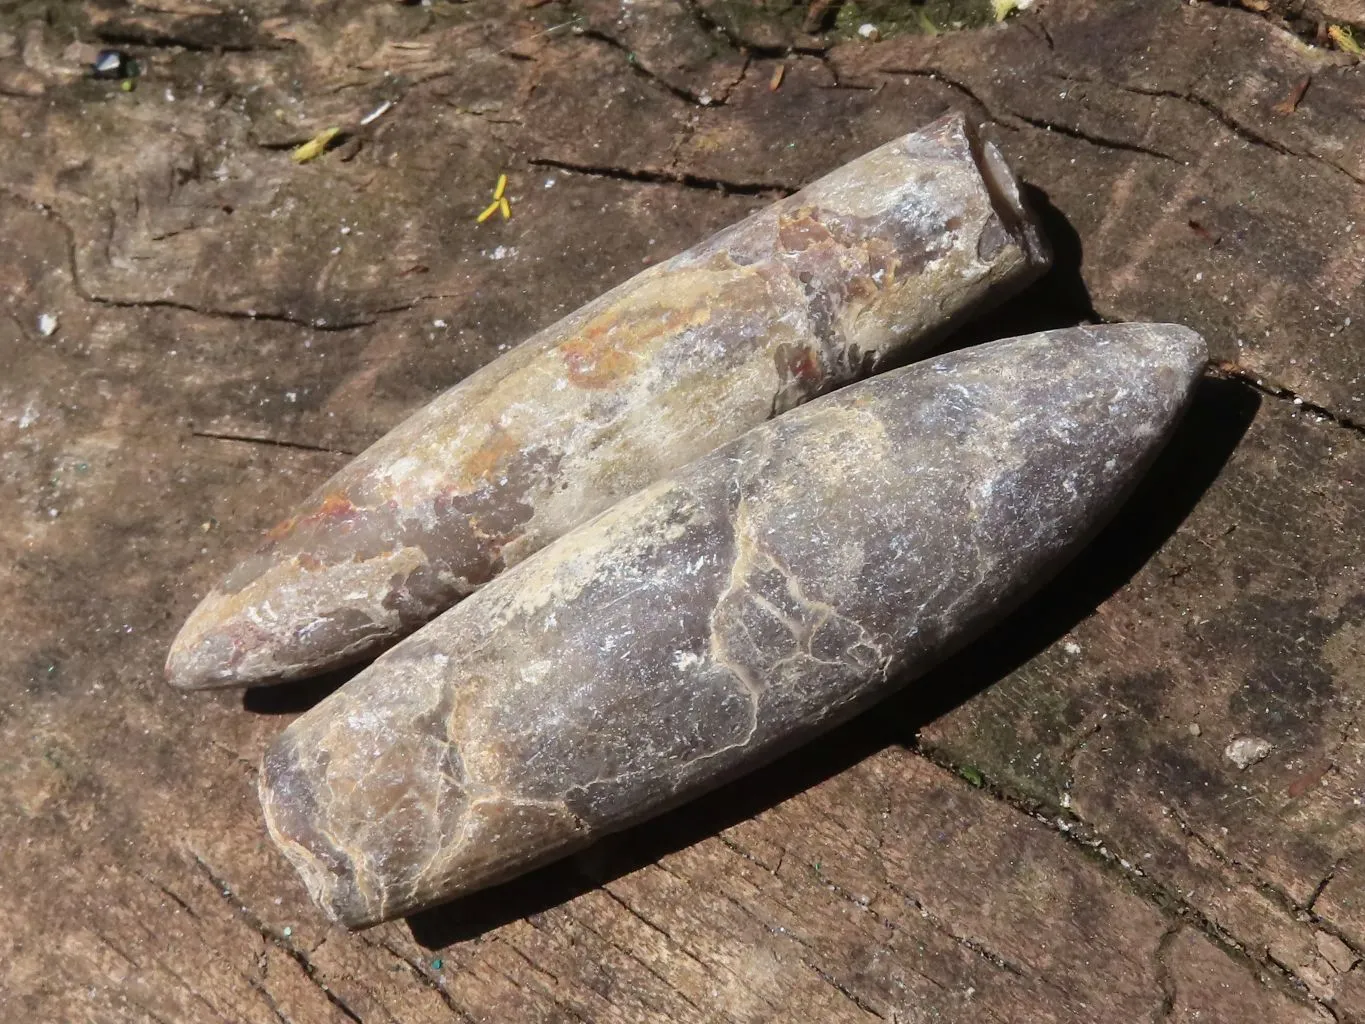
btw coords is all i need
(866, 878)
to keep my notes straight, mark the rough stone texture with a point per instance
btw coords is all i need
(870, 264)
(138, 882)
(757, 597)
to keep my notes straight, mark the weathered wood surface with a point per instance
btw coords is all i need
(1113, 863)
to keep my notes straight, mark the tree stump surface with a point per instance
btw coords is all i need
(1055, 826)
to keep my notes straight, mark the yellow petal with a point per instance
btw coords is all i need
(1344, 40)
(502, 186)
(314, 147)
(492, 209)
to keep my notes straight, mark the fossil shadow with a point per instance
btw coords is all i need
(1058, 299)
(1219, 416)
(296, 696)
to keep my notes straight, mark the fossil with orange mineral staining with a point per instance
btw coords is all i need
(332, 506)
(488, 457)
(593, 362)
(282, 529)
(801, 230)
(859, 268)
(610, 348)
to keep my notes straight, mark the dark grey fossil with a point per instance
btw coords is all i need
(700, 627)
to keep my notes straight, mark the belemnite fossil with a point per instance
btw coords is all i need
(736, 607)
(870, 264)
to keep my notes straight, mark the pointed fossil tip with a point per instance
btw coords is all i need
(201, 661)
(277, 627)
(1173, 345)
(219, 647)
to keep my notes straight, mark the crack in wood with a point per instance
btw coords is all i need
(1239, 128)
(218, 744)
(128, 35)
(1102, 141)
(668, 177)
(1100, 850)
(170, 894)
(1271, 891)
(270, 1003)
(853, 997)
(730, 844)
(1258, 382)
(748, 913)
(943, 78)
(1037, 25)
(625, 905)
(635, 957)
(1165, 979)
(1347, 730)
(966, 941)
(272, 442)
(551, 991)
(316, 323)
(701, 100)
(309, 969)
(418, 970)
(714, 27)
(1321, 887)
(185, 984)
(865, 908)
(1014, 119)
(116, 948)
